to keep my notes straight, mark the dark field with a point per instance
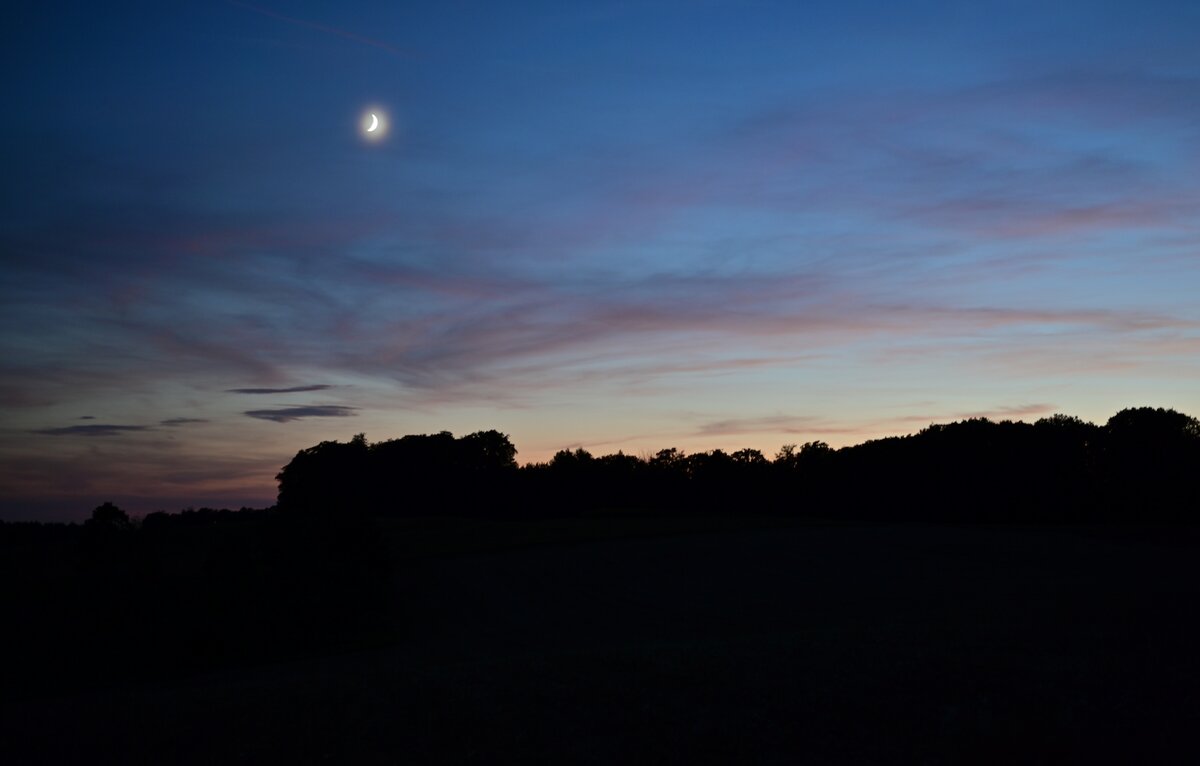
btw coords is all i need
(600, 641)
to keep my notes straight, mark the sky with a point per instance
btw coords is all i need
(611, 225)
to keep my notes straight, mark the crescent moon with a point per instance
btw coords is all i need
(374, 123)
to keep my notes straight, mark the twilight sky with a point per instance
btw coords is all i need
(612, 225)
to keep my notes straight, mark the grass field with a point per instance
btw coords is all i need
(635, 640)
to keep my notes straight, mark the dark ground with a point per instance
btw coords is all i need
(793, 644)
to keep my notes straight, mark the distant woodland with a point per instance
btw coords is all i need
(175, 592)
(1140, 466)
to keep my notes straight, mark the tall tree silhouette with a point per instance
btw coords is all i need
(1150, 459)
(326, 480)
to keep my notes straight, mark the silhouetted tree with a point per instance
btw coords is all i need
(1151, 459)
(326, 480)
(749, 457)
(487, 453)
(109, 517)
(1062, 468)
(414, 475)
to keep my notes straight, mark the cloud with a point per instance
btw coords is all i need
(204, 351)
(98, 429)
(335, 31)
(87, 417)
(181, 421)
(526, 336)
(783, 424)
(1015, 411)
(1004, 412)
(807, 424)
(287, 414)
(292, 390)
(777, 423)
(976, 161)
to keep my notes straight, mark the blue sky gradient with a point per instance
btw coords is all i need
(612, 225)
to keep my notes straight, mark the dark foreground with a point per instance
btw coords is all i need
(798, 644)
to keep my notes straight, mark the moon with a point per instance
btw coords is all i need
(374, 124)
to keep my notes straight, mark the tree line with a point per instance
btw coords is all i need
(1139, 466)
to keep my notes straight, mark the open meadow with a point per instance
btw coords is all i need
(704, 641)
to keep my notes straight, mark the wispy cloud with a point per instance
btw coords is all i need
(322, 28)
(288, 414)
(182, 421)
(823, 425)
(1003, 412)
(539, 335)
(789, 424)
(91, 430)
(292, 390)
(1030, 158)
(1015, 411)
(777, 424)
